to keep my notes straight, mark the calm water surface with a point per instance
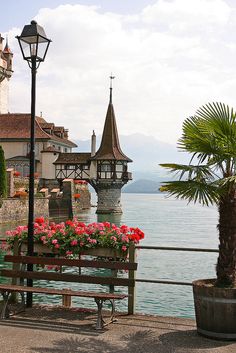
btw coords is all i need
(166, 222)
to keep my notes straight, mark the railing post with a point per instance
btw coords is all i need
(111, 286)
(66, 300)
(132, 275)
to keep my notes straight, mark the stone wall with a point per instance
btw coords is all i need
(65, 204)
(23, 183)
(15, 209)
(49, 184)
(84, 201)
(109, 195)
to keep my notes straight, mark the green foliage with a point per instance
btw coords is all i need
(210, 137)
(39, 195)
(3, 174)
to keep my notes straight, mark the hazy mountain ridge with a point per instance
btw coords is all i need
(146, 152)
(142, 186)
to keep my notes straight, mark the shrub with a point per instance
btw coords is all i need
(3, 174)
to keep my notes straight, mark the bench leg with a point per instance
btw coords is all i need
(113, 310)
(100, 321)
(22, 305)
(5, 311)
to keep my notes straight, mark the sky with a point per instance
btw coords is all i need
(169, 57)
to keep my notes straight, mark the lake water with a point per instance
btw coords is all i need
(166, 222)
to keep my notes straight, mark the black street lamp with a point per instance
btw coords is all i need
(34, 45)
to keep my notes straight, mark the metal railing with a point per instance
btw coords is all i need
(170, 248)
(165, 248)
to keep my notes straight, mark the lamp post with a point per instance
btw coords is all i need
(34, 45)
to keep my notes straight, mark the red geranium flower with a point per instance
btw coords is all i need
(39, 220)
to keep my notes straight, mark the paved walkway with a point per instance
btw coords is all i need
(50, 330)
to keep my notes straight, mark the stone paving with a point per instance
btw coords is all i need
(58, 330)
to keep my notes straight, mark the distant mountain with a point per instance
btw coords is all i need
(142, 186)
(146, 152)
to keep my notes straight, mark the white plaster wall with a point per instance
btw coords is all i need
(12, 149)
(93, 170)
(48, 168)
(4, 96)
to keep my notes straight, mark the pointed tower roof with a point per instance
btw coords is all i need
(7, 50)
(110, 146)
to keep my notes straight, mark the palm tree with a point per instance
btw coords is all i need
(210, 178)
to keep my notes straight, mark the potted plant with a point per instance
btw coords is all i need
(210, 178)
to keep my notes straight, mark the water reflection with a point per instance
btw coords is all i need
(86, 216)
(113, 218)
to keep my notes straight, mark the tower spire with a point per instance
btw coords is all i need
(110, 146)
(111, 78)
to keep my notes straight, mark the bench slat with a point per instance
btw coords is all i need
(15, 288)
(114, 265)
(67, 277)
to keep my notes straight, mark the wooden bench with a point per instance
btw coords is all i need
(21, 275)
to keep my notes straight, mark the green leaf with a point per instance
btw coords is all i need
(194, 191)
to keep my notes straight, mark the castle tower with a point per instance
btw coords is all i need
(112, 171)
(5, 75)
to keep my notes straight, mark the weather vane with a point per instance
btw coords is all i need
(111, 78)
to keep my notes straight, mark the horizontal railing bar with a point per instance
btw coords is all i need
(171, 248)
(163, 282)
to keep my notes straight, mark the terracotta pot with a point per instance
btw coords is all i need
(215, 310)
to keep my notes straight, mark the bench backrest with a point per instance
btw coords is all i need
(130, 267)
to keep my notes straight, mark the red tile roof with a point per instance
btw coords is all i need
(17, 126)
(73, 158)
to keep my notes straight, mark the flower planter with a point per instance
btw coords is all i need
(215, 310)
(102, 252)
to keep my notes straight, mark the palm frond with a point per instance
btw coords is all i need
(210, 137)
(211, 132)
(229, 181)
(194, 191)
(191, 172)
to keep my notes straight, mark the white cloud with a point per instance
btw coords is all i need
(168, 59)
(185, 14)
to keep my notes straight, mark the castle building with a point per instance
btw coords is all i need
(50, 140)
(106, 170)
(111, 166)
(5, 75)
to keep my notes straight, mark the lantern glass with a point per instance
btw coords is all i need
(33, 42)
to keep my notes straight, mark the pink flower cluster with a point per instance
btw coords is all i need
(72, 237)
